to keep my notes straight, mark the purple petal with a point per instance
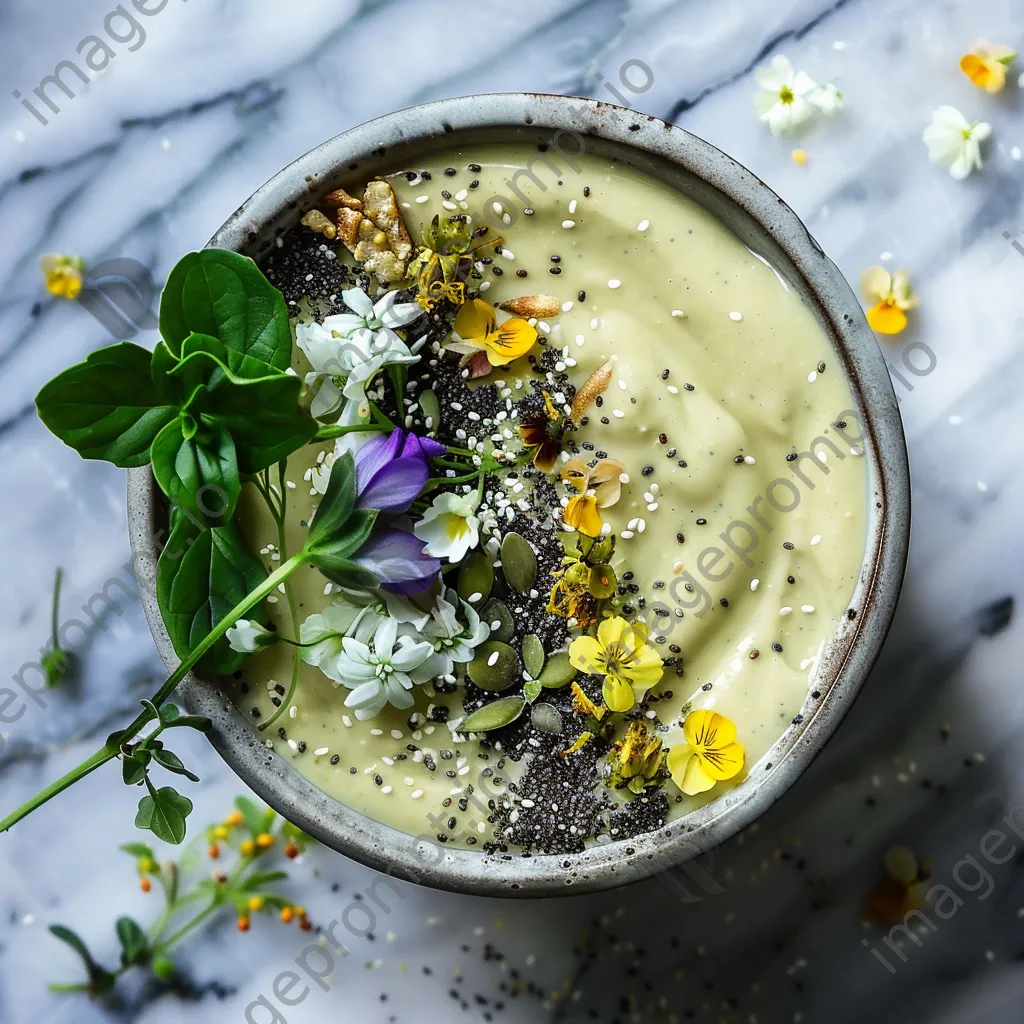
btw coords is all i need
(372, 457)
(396, 558)
(424, 447)
(394, 487)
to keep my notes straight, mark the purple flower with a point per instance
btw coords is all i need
(391, 470)
(396, 558)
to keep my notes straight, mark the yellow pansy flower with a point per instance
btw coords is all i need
(477, 325)
(986, 65)
(596, 488)
(63, 274)
(709, 754)
(892, 296)
(621, 654)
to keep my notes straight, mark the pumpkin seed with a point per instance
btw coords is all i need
(557, 671)
(518, 562)
(431, 409)
(494, 715)
(497, 611)
(495, 667)
(533, 654)
(546, 718)
(476, 578)
(532, 690)
(602, 581)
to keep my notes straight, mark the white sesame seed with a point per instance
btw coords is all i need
(567, 224)
(672, 389)
(376, 732)
(293, 711)
(449, 205)
(754, 584)
(614, 283)
(484, 285)
(786, 610)
(572, 206)
(461, 194)
(320, 751)
(626, 534)
(497, 208)
(735, 316)
(808, 608)
(346, 721)
(641, 526)
(385, 789)
(566, 306)
(678, 313)
(749, 460)
(816, 539)
(506, 219)
(594, 323)
(618, 413)
(643, 225)
(493, 659)
(423, 199)
(508, 254)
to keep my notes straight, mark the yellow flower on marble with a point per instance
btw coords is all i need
(596, 488)
(477, 325)
(986, 65)
(892, 297)
(903, 890)
(708, 755)
(63, 274)
(621, 654)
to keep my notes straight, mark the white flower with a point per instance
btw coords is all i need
(348, 349)
(784, 103)
(828, 99)
(452, 640)
(333, 623)
(379, 673)
(954, 142)
(450, 527)
(247, 636)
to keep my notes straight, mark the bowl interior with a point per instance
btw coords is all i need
(566, 127)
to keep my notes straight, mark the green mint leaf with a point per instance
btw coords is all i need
(169, 760)
(199, 473)
(134, 945)
(163, 812)
(107, 407)
(225, 295)
(201, 576)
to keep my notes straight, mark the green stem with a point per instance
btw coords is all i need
(437, 481)
(110, 752)
(171, 939)
(55, 609)
(331, 431)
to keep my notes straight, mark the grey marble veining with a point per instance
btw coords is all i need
(149, 159)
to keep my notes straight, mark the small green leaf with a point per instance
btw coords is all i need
(75, 941)
(134, 946)
(495, 715)
(532, 690)
(100, 979)
(558, 671)
(134, 767)
(546, 718)
(173, 763)
(495, 667)
(332, 554)
(164, 812)
(108, 406)
(533, 654)
(257, 881)
(138, 850)
(163, 968)
(337, 504)
(169, 713)
(476, 577)
(253, 816)
(518, 562)
(225, 295)
(602, 581)
(197, 722)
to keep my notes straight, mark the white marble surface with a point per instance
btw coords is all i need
(151, 158)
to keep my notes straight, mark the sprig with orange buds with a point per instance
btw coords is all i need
(243, 845)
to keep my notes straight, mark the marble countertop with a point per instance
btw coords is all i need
(153, 155)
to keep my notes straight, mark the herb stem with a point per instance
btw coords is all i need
(332, 430)
(110, 750)
(171, 939)
(55, 608)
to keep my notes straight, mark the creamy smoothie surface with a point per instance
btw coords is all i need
(713, 479)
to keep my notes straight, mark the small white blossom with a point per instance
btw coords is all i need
(454, 631)
(450, 527)
(955, 142)
(246, 636)
(788, 96)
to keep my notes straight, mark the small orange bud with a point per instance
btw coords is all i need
(243, 924)
(247, 848)
(264, 840)
(305, 924)
(234, 818)
(214, 851)
(287, 915)
(291, 851)
(256, 902)
(299, 911)
(145, 884)
(220, 832)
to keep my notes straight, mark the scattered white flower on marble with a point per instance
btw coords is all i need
(789, 97)
(450, 528)
(347, 350)
(246, 636)
(955, 142)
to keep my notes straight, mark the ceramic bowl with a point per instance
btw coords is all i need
(762, 221)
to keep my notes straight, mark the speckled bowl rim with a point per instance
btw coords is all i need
(712, 177)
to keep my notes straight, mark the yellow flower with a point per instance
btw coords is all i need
(709, 754)
(581, 741)
(477, 326)
(63, 274)
(902, 891)
(621, 654)
(637, 760)
(596, 488)
(540, 430)
(256, 902)
(584, 705)
(892, 296)
(986, 65)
